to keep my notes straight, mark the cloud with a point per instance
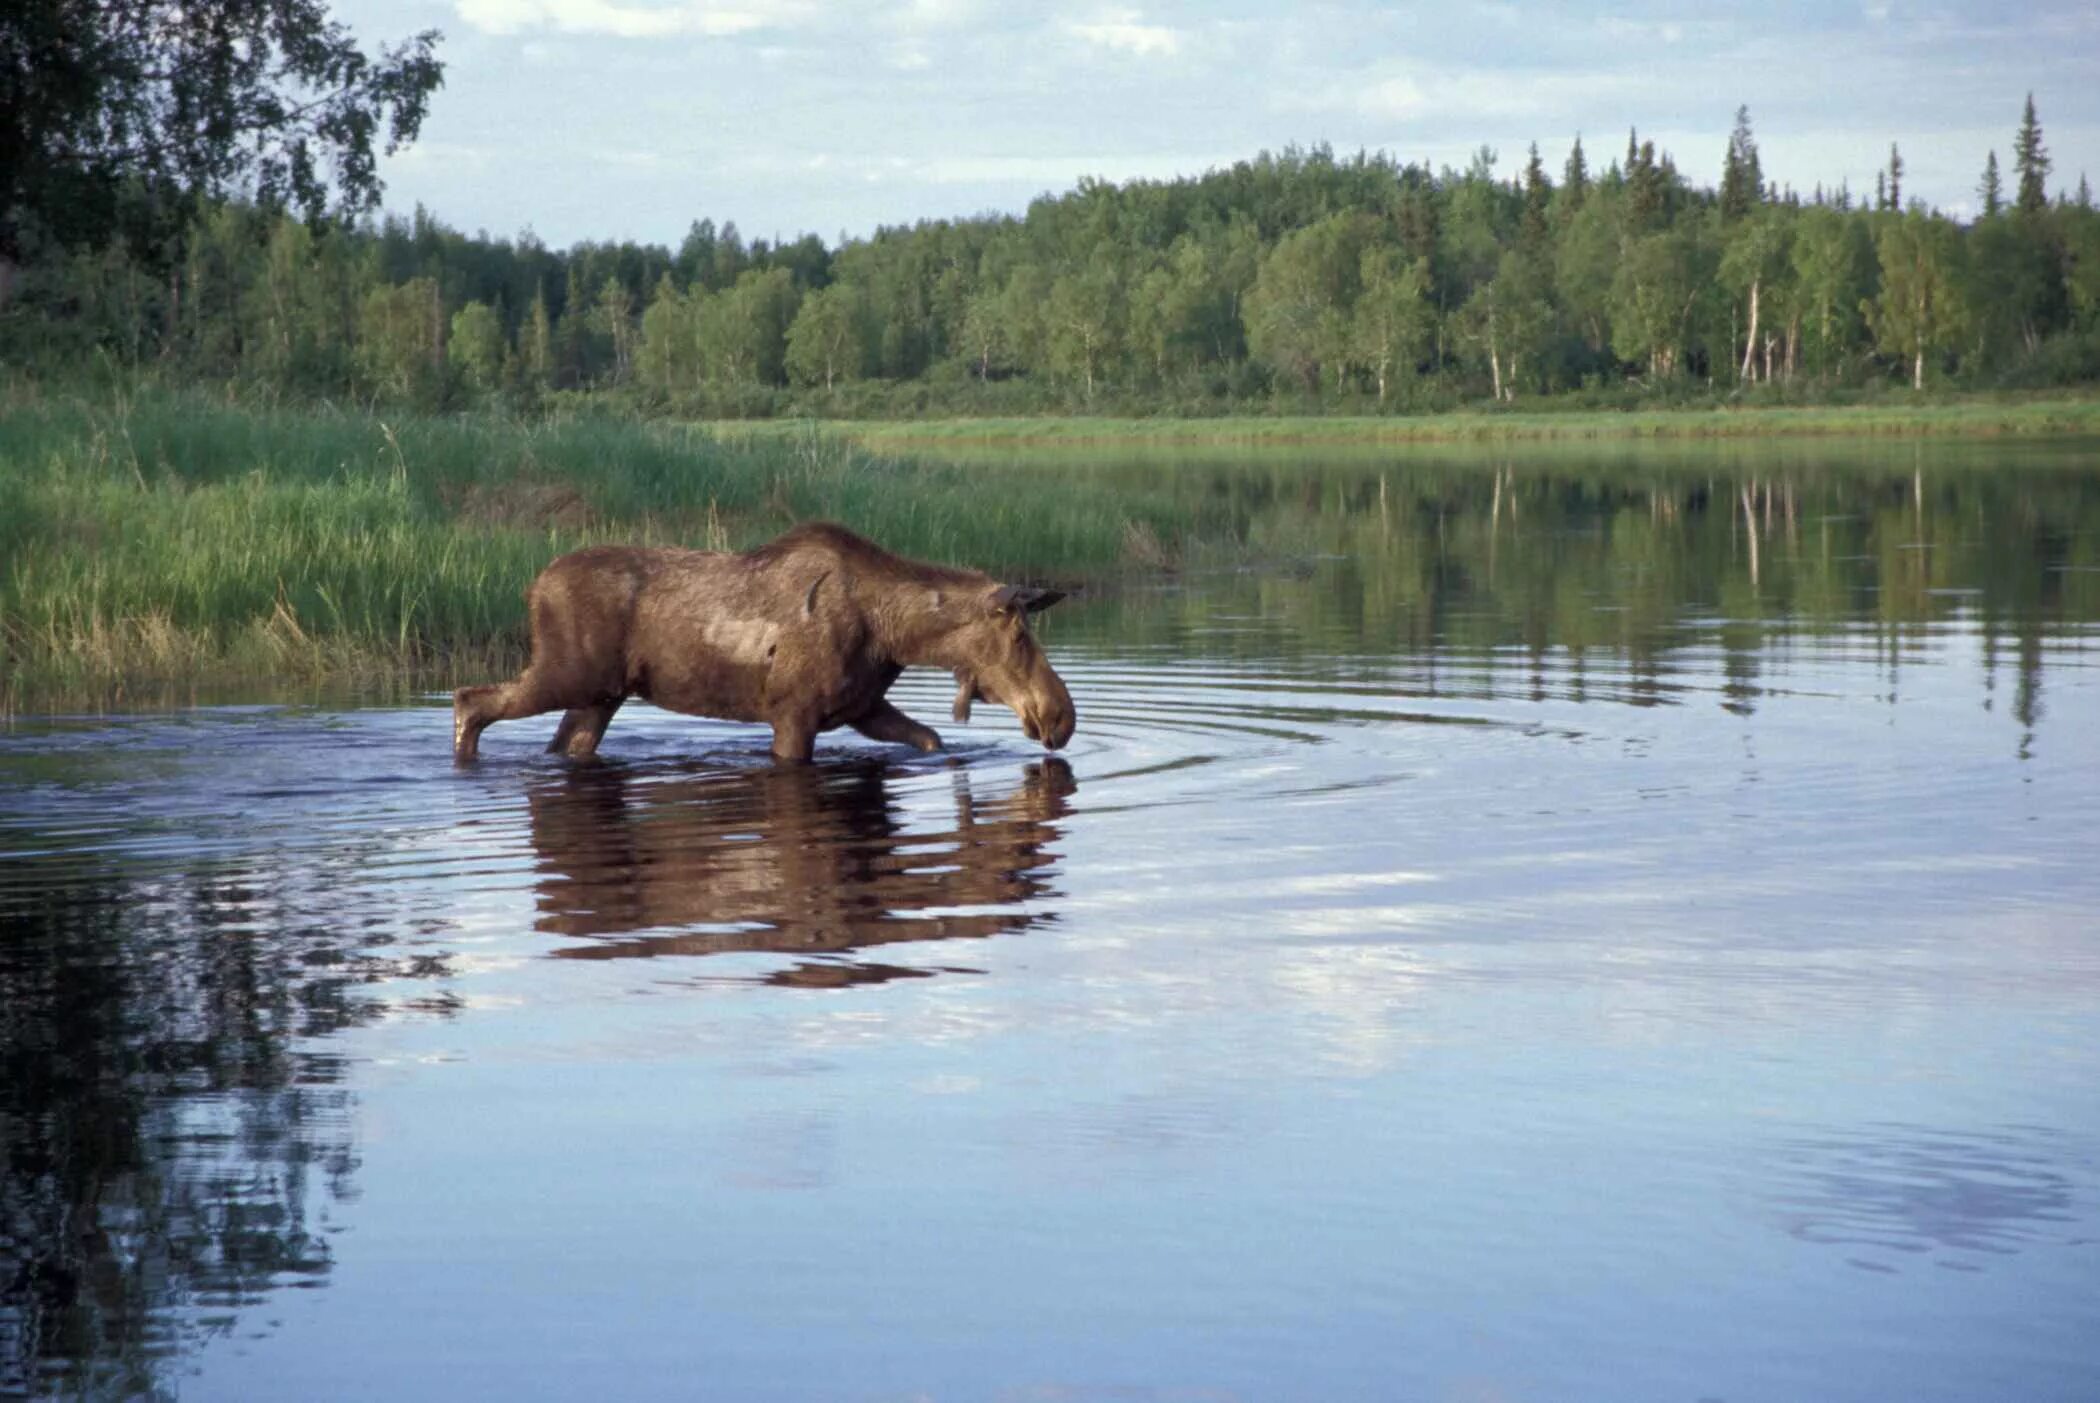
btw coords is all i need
(1465, 95)
(1126, 32)
(442, 154)
(908, 55)
(1639, 33)
(938, 14)
(623, 21)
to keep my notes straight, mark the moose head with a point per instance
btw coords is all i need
(997, 659)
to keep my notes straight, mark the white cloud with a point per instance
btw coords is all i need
(1393, 97)
(623, 21)
(1126, 32)
(442, 154)
(907, 55)
(1648, 32)
(938, 14)
(1050, 171)
(1463, 95)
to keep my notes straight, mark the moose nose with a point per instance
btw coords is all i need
(1056, 725)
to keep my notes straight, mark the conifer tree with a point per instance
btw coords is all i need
(1575, 177)
(1990, 191)
(1895, 179)
(2031, 160)
(1645, 186)
(1742, 178)
(1537, 193)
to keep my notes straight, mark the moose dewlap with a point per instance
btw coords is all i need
(804, 634)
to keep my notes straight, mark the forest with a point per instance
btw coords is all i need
(1292, 282)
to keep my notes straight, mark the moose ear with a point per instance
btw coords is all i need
(1024, 600)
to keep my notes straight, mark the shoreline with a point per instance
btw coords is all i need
(1979, 417)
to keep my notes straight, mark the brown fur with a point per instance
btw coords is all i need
(805, 634)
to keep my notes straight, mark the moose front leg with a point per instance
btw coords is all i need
(884, 722)
(794, 738)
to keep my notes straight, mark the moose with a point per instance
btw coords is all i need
(805, 634)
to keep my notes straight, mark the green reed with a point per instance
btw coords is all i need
(1987, 416)
(166, 537)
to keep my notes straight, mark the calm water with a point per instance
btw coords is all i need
(1588, 928)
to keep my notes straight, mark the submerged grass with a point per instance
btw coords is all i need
(172, 540)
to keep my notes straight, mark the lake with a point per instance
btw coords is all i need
(1606, 923)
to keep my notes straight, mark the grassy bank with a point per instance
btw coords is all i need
(1975, 417)
(172, 540)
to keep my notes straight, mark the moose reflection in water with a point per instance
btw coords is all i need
(805, 860)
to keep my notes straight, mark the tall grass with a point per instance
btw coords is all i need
(1989, 416)
(172, 538)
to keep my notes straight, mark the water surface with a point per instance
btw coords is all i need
(1610, 926)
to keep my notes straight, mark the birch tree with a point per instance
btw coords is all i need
(1919, 311)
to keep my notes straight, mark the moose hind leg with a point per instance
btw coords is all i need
(582, 728)
(885, 723)
(474, 709)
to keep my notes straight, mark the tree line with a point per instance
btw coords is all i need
(1301, 278)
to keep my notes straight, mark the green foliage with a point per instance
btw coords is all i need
(671, 362)
(743, 330)
(1990, 190)
(1390, 330)
(1301, 310)
(2031, 162)
(1742, 177)
(1919, 311)
(2082, 263)
(829, 339)
(1655, 295)
(117, 117)
(1299, 281)
(400, 338)
(1835, 276)
(476, 346)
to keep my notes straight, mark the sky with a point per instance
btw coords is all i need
(630, 119)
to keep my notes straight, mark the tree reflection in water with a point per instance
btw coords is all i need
(811, 860)
(171, 1139)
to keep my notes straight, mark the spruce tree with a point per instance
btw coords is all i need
(1742, 178)
(1991, 191)
(1536, 195)
(1895, 179)
(1575, 178)
(2031, 160)
(1644, 187)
